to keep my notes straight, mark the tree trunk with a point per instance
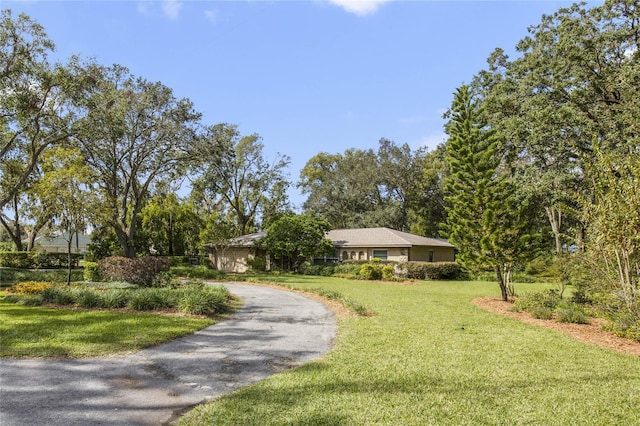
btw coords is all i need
(70, 239)
(503, 285)
(555, 220)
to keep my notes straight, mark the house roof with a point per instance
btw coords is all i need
(381, 237)
(246, 240)
(62, 240)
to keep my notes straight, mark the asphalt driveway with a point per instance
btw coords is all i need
(273, 331)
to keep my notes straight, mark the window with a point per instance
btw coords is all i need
(361, 255)
(345, 255)
(353, 255)
(430, 255)
(380, 254)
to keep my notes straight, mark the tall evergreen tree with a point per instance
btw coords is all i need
(484, 218)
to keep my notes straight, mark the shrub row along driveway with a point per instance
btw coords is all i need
(273, 331)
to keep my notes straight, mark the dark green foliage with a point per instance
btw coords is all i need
(430, 270)
(486, 220)
(347, 269)
(191, 298)
(91, 272)
(140, 271)
(318, 270)
(572, 313)
(114, 298)
(57, 295)
(199, 272)
(87, 298)
(36, 260)
(293, 239)
(151, 299)
(198, 299)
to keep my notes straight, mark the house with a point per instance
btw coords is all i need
(350, 244)
(389, 244)
(59, 243)
(236, 254)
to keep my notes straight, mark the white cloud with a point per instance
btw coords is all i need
(211, 15)
(359, 7)
(144, 7)
(431, 142)
(171, 8)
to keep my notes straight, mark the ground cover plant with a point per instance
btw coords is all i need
(29, 331)
(33, 322)
(429, 356)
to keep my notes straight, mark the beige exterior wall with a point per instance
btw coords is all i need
(233, 259)
(400, 254)
(423, 254)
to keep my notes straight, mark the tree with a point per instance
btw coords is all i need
(235, 177)
(484, 219)
(363, 188)
(35, 112)
(134, 134)
(575, 81)
(294, 239)
(171, 226)
(613, 215)
(66, 186)
(426, 202)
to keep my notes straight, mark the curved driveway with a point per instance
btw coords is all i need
(273, 331)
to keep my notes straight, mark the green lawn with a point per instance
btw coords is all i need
(46, 332)
(430, 357)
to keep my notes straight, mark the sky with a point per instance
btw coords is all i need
(307, 76)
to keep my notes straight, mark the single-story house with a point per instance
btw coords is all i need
(350, 244)
(59, 243)
(235, 255)
(389, 244)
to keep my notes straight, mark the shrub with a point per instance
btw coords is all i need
(29, 287)
(199, 272)
(37, 260)
(431, 270)
(114, 298)
(371, 271)
(572, 313)
(542, 312)
(198, 299)
(139, 271)
(57, 295)
(150, 299)
(352, 269)
(92, 272)
(388, 273)
(539, 299)
(87, 298)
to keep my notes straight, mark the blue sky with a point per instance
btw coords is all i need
(307, 76)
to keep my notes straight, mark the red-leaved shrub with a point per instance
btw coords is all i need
(140, 271)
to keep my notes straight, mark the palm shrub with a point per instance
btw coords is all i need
(150, 299)
(198, 299)
(87, 298)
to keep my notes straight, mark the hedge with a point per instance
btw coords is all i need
(429, 270)
(140, 271)
(37, 260)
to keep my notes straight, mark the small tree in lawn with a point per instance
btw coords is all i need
(295, 238)
(64, 185)
(485, 220)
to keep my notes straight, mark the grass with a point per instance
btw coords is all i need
(48, 332)
(430, 357)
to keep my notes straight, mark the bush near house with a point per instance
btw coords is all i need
(37, 260)
(429, 270)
